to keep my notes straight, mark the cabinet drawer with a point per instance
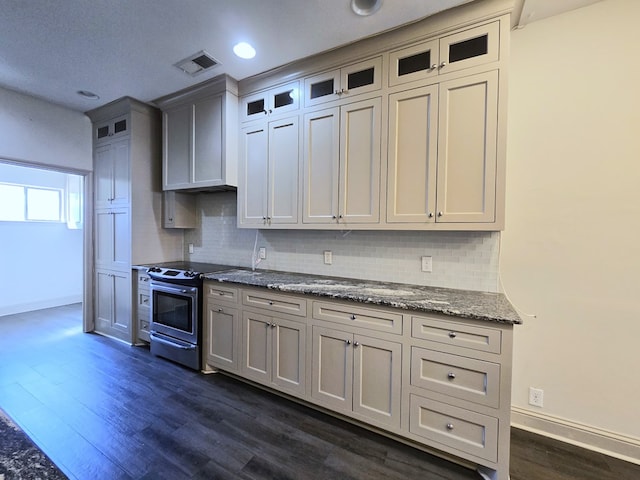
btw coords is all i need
(275, 302)
(465, 378)
(143, 328)
(144, 299)
(215, 291)
(143, 280)
(455, 427)
(458, 334)
(358, 316)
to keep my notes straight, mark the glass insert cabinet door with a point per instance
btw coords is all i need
(451, 53)
(284, 98)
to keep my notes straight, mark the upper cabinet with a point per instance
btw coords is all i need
(199, 133)
(403, 131)
(108, 130)
(281, 99)
(451, 53)
(350, 80)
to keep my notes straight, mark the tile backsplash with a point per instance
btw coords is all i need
(465, 260)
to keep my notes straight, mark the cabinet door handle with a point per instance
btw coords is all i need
(434, 66)
(443, 64)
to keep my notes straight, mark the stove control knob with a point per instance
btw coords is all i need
(189, 273)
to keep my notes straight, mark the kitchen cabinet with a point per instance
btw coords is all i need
(341, 164)
(113, 239)
(110, 129)
(274, 351)
(178, 210)
(142, 303)
(113, 303)
(359, 373)
(343, 83)
(200, 136)
(272, 102)
(127, 231)
(112, 175)
(268, 193)
(442, 154)
(222, 327)
(451, 53)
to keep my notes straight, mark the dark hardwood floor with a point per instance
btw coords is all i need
(103, 410)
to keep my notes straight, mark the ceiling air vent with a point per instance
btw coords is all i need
(197, 63)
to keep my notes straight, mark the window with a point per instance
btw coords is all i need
(23, 203)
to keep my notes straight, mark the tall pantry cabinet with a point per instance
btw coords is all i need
(127, 209)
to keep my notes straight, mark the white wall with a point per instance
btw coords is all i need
(41, 261)
(38, 132)
(571, 249)
(466, 260)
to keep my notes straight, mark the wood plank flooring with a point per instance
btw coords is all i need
(103, 410)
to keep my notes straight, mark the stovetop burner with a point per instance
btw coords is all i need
(184, 273)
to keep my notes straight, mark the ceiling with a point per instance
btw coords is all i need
(51, 49)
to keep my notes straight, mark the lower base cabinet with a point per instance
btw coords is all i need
(357, 373)
(441, 382)
(113, 304)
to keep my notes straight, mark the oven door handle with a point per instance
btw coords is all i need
(164, 288)
(159, 339)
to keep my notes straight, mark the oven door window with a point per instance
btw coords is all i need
(173, 311)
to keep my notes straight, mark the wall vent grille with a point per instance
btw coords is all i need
(197, 63)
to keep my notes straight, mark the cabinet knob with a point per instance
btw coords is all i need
(443, 64)
(270, 302)
(333, 216)
(434, 66)
(452, 334)
(440, 213)
(451, 375)
(352, 317)
(270, 111)
(449, 426)
(355, 344)
(348, 342)
(220, 310)
(430, 214)
(273, 325)
(170, 219)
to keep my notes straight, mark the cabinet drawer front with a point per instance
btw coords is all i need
(275, 302)
(455, 427)
(461, 335)
(465, 378)
(217, 292)
(358, 316)
(143, 280)
(144, 299)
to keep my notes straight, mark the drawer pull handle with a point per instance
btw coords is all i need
(221, 293)
(449, 426)
(451, 375)
(353, 317)
(452, 334)
(220, 310)
(270, 302)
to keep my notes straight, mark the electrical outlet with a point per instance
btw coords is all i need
(262, 253)
(191, 248)
(328, 257)
(536, 397)
(427, 264)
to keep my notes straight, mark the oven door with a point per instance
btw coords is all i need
(174, 311)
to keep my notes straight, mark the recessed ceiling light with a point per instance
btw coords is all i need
(88, 94)
(244, 50)
(365, 7)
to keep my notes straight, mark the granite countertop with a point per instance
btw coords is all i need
(492, 307)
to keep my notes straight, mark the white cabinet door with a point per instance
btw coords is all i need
(176, 149)
(377, 378)
(207, 141)
(223, 334)
(288, 341)
(252, 191)
(412, 155)
(112, 178)
(256, 361)
(332, 368)
(113, 240)
(467, 149)
(359, 191)
(283, 171)
(113, 304)
(321, 166)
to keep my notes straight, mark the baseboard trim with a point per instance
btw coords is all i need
(585, 436)
(39, 305)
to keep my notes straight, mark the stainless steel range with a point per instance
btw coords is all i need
(176, 310)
